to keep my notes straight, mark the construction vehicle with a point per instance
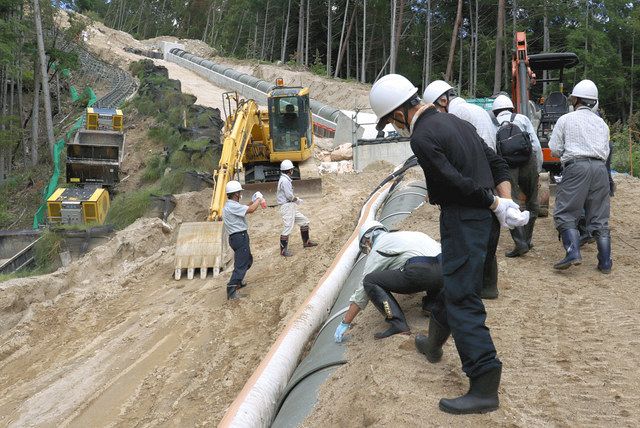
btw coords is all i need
(254, 142)
(69, 206)
(95, 154)
(525, 72)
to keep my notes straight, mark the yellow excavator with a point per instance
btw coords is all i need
(255, 141)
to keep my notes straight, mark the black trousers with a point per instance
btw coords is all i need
(412, 279)
(466, 237)
(242, 258)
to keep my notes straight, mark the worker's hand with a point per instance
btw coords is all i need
(516, 218)
(612, 188)
(340, 331)
(299, 201)
(257, 195)
(501, 205)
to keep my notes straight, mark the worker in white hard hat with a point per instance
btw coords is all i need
(517, 142)
(581, 140)
(400, 262)
(463, 175)
(289, 202)
(234, 218)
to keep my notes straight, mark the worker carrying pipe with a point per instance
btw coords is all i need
(401, 262)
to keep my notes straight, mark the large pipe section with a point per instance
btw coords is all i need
(284, 389)
(247, 85)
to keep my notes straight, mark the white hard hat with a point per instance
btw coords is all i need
(286, 165)
(456, 102)
(233, 187)
(389, 93)
(585, 89)
(502, 102)
(367, 228)
(435, 90)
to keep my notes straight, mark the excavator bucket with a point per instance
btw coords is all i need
(304, 188)
(201, 245)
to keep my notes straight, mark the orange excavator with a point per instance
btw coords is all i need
(543, 108)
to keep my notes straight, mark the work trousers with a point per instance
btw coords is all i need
(242, 258)
(466, 237)
(490, 276)
(413, 278)
(584, 186)
(290, 217)
(525, 179)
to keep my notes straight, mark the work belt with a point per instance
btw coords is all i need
(581, 159)
(423, 260)
(236, 233)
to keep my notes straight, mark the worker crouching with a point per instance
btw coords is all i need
(289, 202)
(398, 262)
(234, 217)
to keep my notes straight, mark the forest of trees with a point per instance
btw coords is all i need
(467, 42)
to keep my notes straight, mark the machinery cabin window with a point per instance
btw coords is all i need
(289, 122)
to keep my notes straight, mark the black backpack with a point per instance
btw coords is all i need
(512, 143)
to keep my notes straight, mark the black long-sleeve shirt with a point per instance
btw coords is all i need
(459, 167)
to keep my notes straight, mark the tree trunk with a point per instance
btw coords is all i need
(46, 94)
(470, 82)
(300, 49)
(329, 37)
(343, 45)
(254, 48)
(452, 47)
(426, 74)
(497, 77)
(633, 53)
(35, 119)
(363, 61)
(306, 43)
(206, 27)
(25, 148)
(461, 61)
(398, 35)
(475, 56)
(283, 53)
(264, 30)
(392, 42)
(340, 45)
(545, 44)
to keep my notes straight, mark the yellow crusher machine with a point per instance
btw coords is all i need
(254, 141)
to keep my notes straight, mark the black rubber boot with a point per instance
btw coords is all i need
(389, 307)
(482, 396)
(284, 243)
(232, 292)
(431, 345)
(571, 242)
(528, 231)
(306, 242)
(428, 303)
(604, 254)
(490, 282)
(520, 238)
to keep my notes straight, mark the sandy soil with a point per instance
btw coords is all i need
(113, 338)
(568, 341)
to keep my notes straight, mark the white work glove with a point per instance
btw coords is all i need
(516, 218)
(501, 210)
(299, 201)
(256, 195)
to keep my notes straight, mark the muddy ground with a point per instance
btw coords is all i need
(569, 342)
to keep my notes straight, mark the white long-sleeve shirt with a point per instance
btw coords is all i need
(285, 190)
(523, 122)
(397, 247)
(581, 133)
(478, 117)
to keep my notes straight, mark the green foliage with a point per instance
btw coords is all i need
(46, 251)
(622, 136)
(154, 169)
(128, 207)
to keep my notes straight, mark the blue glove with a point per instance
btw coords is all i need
(342, 328)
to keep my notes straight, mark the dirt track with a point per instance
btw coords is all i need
(568, 341)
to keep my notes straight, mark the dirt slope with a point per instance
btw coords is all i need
(568, 341)
(113, 338)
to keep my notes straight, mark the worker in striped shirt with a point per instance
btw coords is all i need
(581, 140)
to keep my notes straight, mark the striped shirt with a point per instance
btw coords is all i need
(580, 134)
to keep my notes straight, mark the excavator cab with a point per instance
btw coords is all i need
(290, 124)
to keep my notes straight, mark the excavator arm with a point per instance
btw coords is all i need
(204, 245)
(235, 141)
